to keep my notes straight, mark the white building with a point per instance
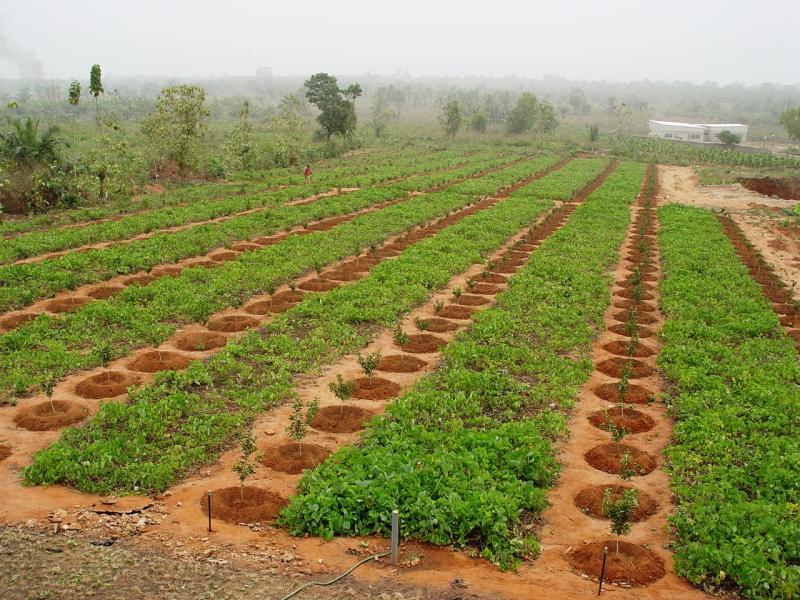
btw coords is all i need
(694, 132)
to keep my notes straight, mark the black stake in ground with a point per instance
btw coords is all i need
(208, 498)
(602, 570)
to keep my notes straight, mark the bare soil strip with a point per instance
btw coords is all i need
(575, 532)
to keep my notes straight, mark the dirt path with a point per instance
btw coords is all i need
(765, 221)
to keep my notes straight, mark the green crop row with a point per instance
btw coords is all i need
(468, 450)
(40, 242)
(735, 457)
(25, 283)
(55, 345)
(329, 173)
(184, 419)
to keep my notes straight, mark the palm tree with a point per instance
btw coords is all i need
(24, 146)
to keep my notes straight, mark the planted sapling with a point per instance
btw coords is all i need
(421, 324)
(246, 465)
(300, 419)
(342, 390)
(369, 362)
(457, 292)
(400, 337)
(620, 512)
(627, 466)
(48, 385)
(437, 307)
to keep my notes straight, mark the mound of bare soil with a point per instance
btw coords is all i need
(614, 367)
(642, 307)
(423, 343)
(105, 385)
(486, 289)
(635, 394)
(224, 256)
(472, 300)
(288, 296)
(505, 267)
(66, 304)
(436, 325)
(243, 505)
(787, 188)
(641, 318)
(263, 307)
(340, 419)
(375, 388)
(142, 279)
(785, 309)
(634, 564)
(608, 458)
(245, 246)
(166, 270)
(46, 416)
(101, 292)
(342, 275)
(454, 311)
(5, 451)
(318, 285)
(492, 278)
(622, 329)
(633, 421)
(232, 323)
(628, 294)
(159, 360)
(590, 501)
(401, 363)
(204, 263)
(620, 348)
(293, 458)
(17, 319)
(198, 341)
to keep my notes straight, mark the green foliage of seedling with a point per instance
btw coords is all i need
(620, 511)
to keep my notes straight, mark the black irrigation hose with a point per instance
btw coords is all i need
(337, 578)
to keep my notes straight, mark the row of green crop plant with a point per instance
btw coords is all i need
(735, 457)
(562, 190)
(55, 345)
(40, 242)
(185, 419)
(663, 151)
(326, 176)
(24, 283)
(467, 453)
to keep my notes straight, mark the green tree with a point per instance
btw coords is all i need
(96, 88)
(286, 128)
(245, 466)
(451, 118)
(523, 116)
(26, 148)
(546, 120)
(75, 93)
(478, 122)
(381, 113)
(237, 149)
(594, 135)
(337, 106)
(300, 419)
(342, 390)
(727, 137)
(620, 511)
(178, 124)
(790, 119)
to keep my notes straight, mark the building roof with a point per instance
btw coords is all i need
(675, 124)
(696, 125)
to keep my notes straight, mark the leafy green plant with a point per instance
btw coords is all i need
(342, 389)
(246, 465)
(620, 511)
(369, 362)
(300, 419)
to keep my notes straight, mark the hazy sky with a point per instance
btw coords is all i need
(697, 40)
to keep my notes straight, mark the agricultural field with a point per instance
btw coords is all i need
(563, 370)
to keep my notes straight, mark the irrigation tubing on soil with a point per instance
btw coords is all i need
(338, 577)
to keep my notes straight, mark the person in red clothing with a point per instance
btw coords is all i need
(307, 173)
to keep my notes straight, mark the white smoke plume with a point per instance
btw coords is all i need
(25, 61)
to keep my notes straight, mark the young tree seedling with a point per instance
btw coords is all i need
(437, 307)
(342, 390)
(471, 283)
(400, 337)
(620, 512)
(457, 292)
(246, 465)
(48, 385)
(627, 466)
(300, 419)
(421, 324)
(369, 362)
